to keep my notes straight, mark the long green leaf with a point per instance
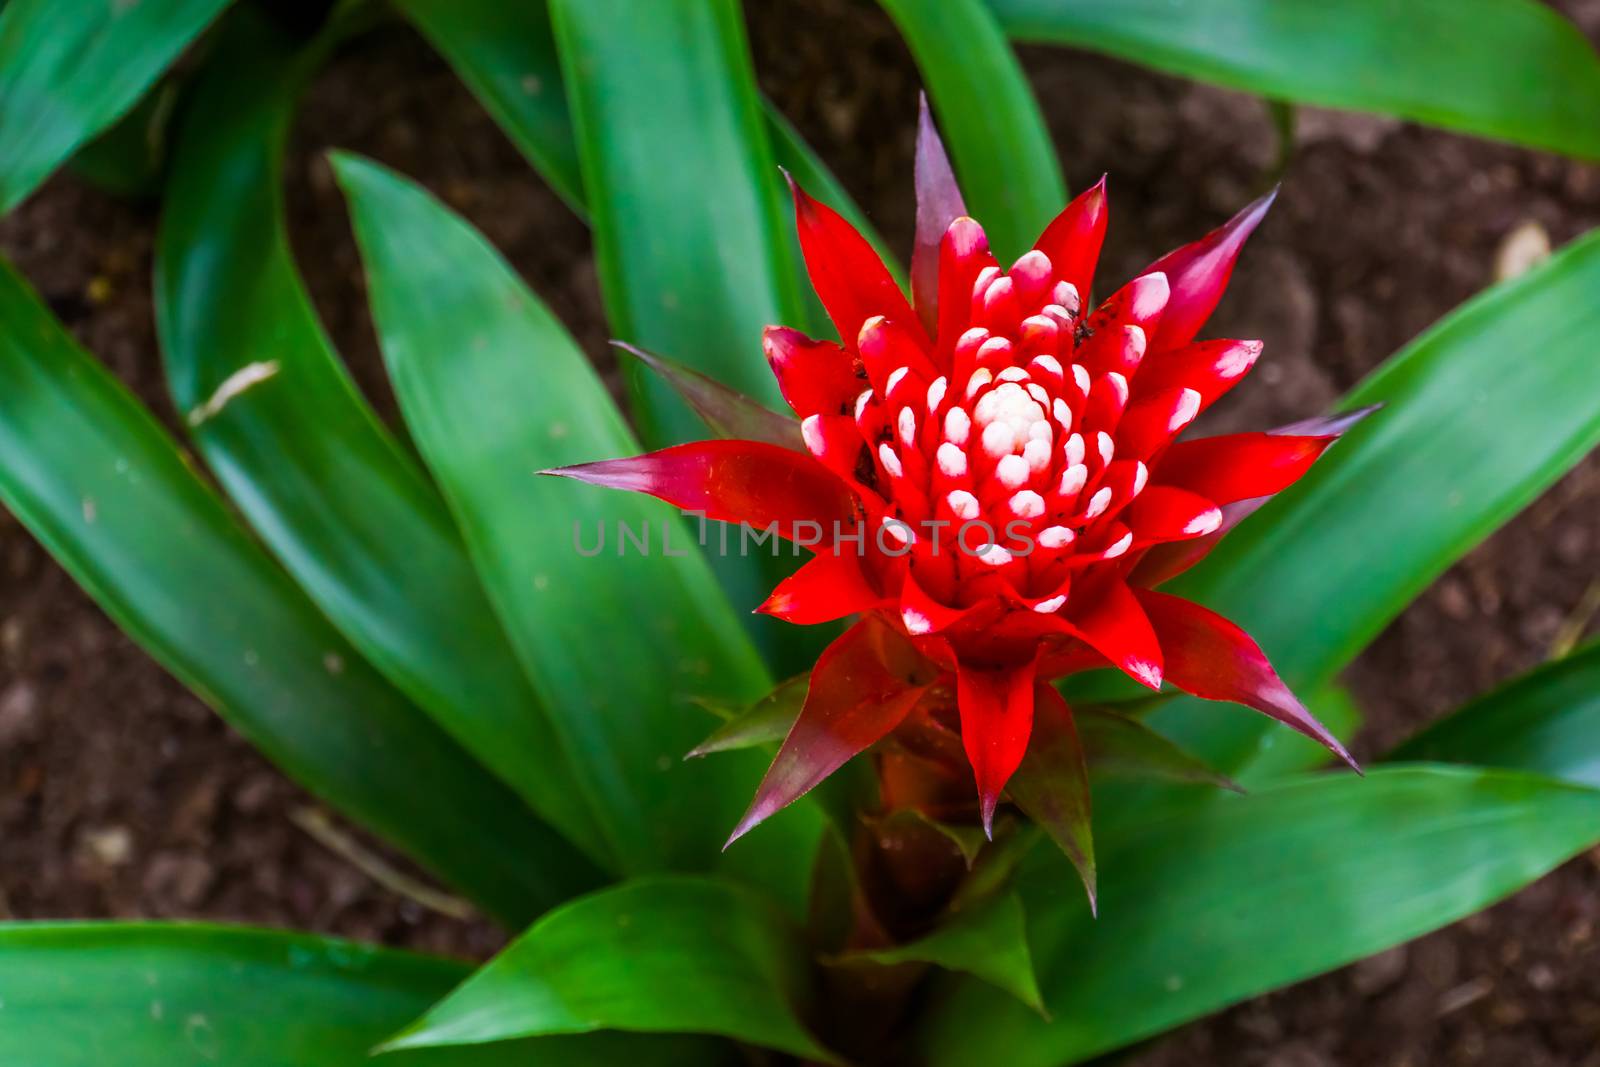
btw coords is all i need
(765, 722)
(619, 643)
(128, 159)
(988, 941)
(94, 477)
(1119, 746)
(657, 955)
(70, 69)
(1239, 896)
(1508, 69)
(1483, 412)
(1547, 721)
(344, 507)
(683, 191)
(693, 253)
(1010, 178)
(187, 995)
(506, 54)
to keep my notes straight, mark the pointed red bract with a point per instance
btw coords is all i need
(863, 685)
(1239, 466)
(829, 586)
(1073, 239)
(1210, 657)
(1114, 625)
(1153, 421)
(1199, 272)
(1052, 784)
(1210, 368)
(734, 481)
(815, 377)
(1164, 562)
(938, 205)
(850, 279)
(1165, 514)
(1116, 335)
(996, 705)
(963, 256)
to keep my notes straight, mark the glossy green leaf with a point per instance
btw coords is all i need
(346, 509)
(1117, 746)
(1317, 573)
(988, 941)
(761, 723)
(94, 477)
(70, 69)
(683, 191)
(506, 54)
(675, 954)
(619, 643)
(1232, 898)
(128, 159)
(693, 251)
(1004, 158)
(1509, 69)
(186, 995)
(1548, 721)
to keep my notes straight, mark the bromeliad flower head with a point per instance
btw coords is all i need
(995, 487)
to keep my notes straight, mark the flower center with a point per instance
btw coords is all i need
(1015, 452)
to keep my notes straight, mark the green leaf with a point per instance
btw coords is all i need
(128, 159)
(1051, 786)
(1232, 898)
(183, 995)
(1117, 746)
(100, 484)
(1508, 69)
(1548, 721)
(694, 259)
(1003, 155)
(1319, 572)
(691, 257)
(663, 954)
(344, 507)
(762, 723)
(506, 54)
(70, 70)
(988, 941)
(1285, 752)
(618, 643)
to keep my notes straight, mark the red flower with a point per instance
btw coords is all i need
(991, 482)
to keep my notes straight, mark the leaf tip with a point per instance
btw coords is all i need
(749, 822)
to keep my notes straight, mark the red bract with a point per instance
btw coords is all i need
(991, 481)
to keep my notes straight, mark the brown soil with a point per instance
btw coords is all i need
(120, 795)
